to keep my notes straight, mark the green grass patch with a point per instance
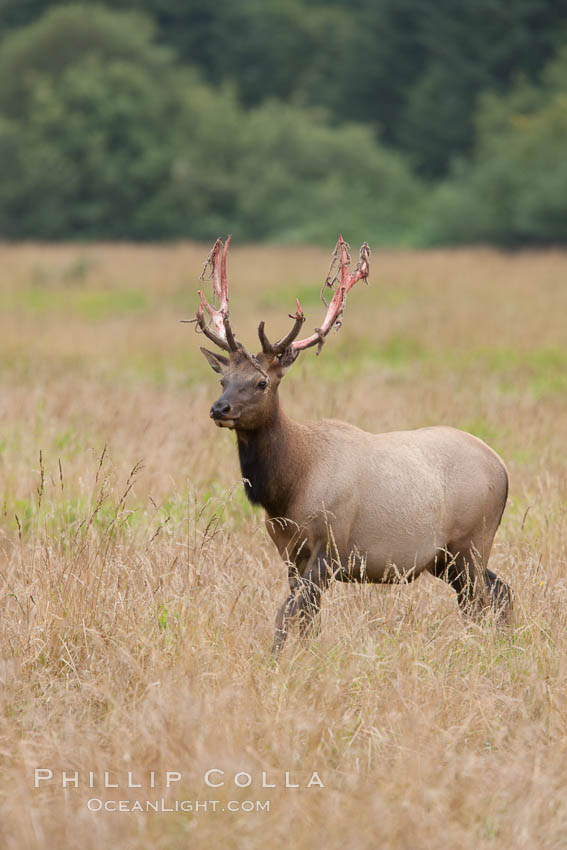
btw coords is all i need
(398, 353)
(483, 429)
(308, 294)
(90, 304)
(541, 372)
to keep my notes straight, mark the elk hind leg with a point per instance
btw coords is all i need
(499, 594)
(477, 587)
(459, 571)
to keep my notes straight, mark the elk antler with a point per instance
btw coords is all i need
(219, 331)
(341, 258)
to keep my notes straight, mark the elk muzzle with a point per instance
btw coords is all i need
(223, 413)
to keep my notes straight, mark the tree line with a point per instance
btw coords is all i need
(401, 121)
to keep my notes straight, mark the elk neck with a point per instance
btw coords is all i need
(273, 460)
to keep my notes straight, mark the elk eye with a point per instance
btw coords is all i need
(262, 385)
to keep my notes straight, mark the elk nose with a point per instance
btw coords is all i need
(220, 408)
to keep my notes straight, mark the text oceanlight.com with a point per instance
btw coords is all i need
(95, 804)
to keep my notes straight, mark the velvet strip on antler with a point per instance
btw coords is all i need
(219, 330)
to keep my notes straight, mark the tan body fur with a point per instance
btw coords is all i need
(389, 505)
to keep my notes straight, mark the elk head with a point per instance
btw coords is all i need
(250, 382)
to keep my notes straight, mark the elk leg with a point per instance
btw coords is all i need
(304, 601)
(500, 594)
(466, 579)
(461, 573)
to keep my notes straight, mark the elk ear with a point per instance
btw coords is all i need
(217, 362)
(283, 361)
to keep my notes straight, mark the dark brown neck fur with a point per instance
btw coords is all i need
(272, 462)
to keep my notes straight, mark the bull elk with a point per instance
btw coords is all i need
(342, 503)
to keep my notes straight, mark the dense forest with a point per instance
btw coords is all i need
(399, 121)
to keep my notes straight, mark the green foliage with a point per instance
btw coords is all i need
(18, 13)
(88, 132)
(66, 36)
(469, 48)
(300, 180)
(167, 118)
(280, 173)
(410, 69)
(92, 156)
(117, 141)
(515, 189)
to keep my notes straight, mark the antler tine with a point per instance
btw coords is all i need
(280, 346)
(267, 346)
(209, 333)
(219, 331)
(233, 344)
(335, 310)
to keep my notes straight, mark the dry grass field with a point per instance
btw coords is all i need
(138, 589)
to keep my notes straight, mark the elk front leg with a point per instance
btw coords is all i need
(304, 601)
